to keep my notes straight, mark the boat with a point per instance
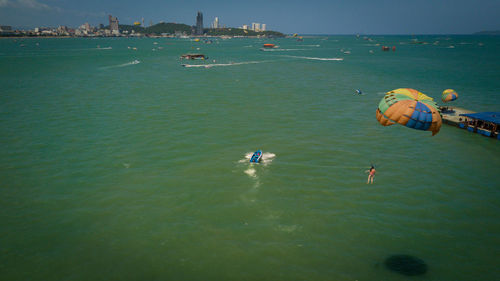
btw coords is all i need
(269, 46)
(194, 57)
(257, 155)
(483, 123)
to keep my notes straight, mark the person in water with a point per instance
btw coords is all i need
(371, 174)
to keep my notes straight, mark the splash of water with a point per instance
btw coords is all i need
(251, 172)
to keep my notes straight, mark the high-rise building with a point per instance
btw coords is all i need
(86, 26)
(216, 23)
(113, 24)
(6, 29)
(199, 24)
(256, 26)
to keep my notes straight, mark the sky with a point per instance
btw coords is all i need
(287, 16)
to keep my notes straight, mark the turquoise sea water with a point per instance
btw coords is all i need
(120, 164)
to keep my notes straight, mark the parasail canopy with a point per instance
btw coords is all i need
(449, 95)
(410, 108)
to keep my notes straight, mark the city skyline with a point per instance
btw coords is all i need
(317, 17)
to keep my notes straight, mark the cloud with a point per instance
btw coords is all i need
(27, 4)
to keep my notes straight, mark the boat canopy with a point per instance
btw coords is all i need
(493, 117)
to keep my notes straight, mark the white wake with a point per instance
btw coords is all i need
(209, 65)
(122, 65)
(314, 58)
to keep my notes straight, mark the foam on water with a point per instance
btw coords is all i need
(221, 64)
(251, 172)
(267, 158)
(122, 65)
(314, 58)
(282, 50)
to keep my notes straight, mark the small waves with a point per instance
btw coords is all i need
(314, 58)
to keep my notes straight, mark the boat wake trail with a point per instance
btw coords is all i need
(251, 170)
(267, 158)
(313, 58)
(222, 64)
(282, 50)
(122, 65)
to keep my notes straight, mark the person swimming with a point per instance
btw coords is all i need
(371, 174)
(358, 91)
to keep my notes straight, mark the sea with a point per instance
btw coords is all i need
(119, 163)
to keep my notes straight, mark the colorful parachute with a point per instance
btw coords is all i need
(411, 108)
(449, 95)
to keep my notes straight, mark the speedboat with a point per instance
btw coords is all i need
(194, 57)
(256, 156)
(269, 46)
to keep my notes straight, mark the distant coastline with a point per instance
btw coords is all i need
(491, 32)
(157, 30)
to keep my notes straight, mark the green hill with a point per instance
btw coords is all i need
(169, 28)
(157, 29)
(172, 28)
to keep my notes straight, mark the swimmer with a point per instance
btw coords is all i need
(371, 174)
(358, 91)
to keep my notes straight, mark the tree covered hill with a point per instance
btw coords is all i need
(172, 28)
(169, 28)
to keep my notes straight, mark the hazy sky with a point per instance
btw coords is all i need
(287, 16)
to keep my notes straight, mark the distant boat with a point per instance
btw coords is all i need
(256, 156)
(194, 57)
(269, 46)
